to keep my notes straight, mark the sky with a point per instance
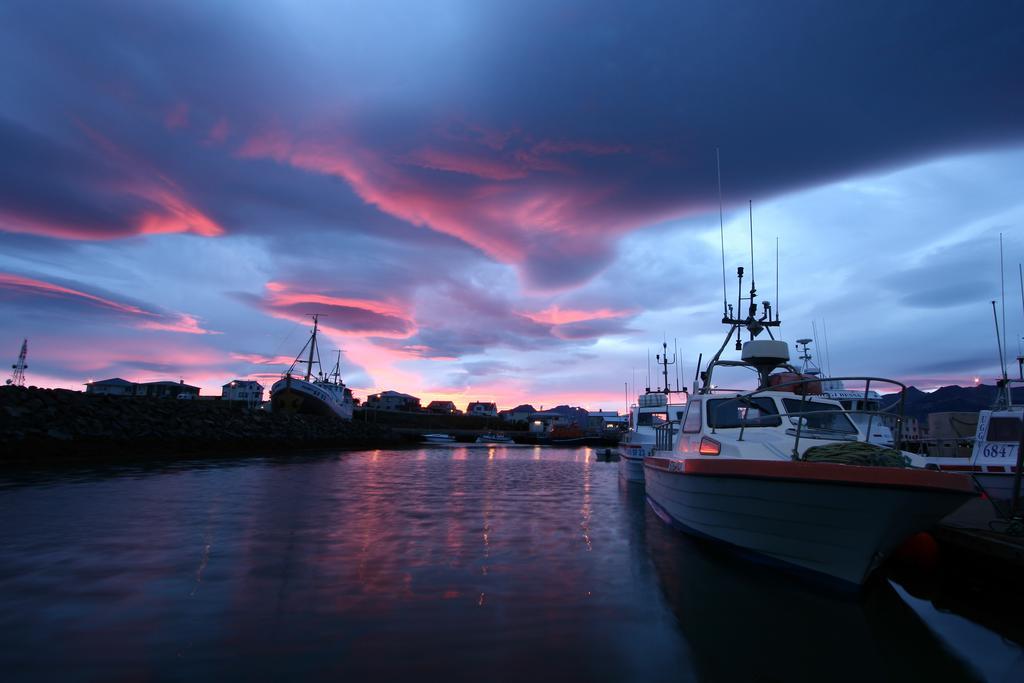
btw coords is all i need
(505, 201)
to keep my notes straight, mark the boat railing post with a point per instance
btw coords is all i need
(900, 417)
(871, 415)
(1015, 502)
(800, 424)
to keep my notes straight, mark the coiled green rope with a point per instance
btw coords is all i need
(857, 453)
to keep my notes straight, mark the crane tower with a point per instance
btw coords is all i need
(18, 376)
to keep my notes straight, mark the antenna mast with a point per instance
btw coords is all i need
(1002, 296)
(18, 376)
(663, 360)
(721, 233)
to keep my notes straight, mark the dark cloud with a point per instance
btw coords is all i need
(536, 133)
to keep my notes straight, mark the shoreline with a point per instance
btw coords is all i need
(62, 425)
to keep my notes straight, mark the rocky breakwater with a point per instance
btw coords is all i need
(36, 423)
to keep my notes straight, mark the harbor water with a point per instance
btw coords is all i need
(447, 563)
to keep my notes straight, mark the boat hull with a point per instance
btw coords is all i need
(998, 487)
(631, 463)
(296, 396)
(834, 522)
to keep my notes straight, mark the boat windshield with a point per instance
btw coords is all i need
(651, 419)
(826, 417)
(726, 413)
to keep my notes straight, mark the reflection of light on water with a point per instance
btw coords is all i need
(375, 455)
(480, 602)
(490, 453)
(536, 452)
(585, 510)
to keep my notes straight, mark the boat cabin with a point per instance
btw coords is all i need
(774, 421)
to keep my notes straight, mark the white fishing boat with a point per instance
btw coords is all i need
(994, 454)
(439, 438)
(496, 439)
(312, 394)
(652, 409)
(742, 468)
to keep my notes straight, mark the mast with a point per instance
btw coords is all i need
(312, 346)
(663, 360)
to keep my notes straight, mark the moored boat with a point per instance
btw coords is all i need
(439, 438)
(494, 439)
(312, 394)
(651, 410)
(783, 474)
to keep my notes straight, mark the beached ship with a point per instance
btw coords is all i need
(782, 473)
(312, 393)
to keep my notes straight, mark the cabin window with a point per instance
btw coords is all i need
(726, 413)
(1003, 429)
(826, 417)
(692, 423)
(651, 419)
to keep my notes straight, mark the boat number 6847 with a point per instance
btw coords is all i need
(997, 450)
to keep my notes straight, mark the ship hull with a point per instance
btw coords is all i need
(296, 396)
(836, 523)
(631, 463)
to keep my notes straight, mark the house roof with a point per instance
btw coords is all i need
(396, 394)
(112, 382)
(486, 404)
(242, 382)
(168, 382)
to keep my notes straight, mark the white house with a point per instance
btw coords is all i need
(242, 390)
(482, 409)
(392, 400)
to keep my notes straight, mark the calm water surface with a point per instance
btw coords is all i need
(448, 563)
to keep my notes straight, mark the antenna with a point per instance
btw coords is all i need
(1002, 296)
(679, 366)
(998, 343)
(648, 387)
(721, 233)
(750, 207)
(778, 307)
(663, 360)
(828, 350)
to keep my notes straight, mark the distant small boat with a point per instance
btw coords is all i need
(438, 438)
(493, 438)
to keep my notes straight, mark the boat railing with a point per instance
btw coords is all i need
(665, 435)
(806, 395)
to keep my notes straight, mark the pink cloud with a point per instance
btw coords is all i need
(218, 133)
(342, 314)
(183, 323)
(258, 359)
(177, 117)
(41, 288)
(153, 320)
(505, 204)
(554, 315)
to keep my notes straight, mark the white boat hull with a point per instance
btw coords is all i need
(631, 463)
(838, 529)
(292, 395)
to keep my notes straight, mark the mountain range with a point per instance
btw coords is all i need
(952, 398)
